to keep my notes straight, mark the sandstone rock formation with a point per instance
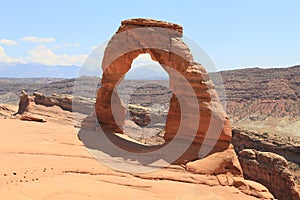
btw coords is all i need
(163, 41)
(23, 103)
(42, 108)
(63, 101)
(140, 115)
(280, 147)
(144, 116)
(271, 170)
(246, 139)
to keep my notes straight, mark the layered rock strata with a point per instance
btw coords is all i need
(284, 146)
(63, 101)
(270, 170)
(192, 89)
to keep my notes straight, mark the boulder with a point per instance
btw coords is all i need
(217, 163)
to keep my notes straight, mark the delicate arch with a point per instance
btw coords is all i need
(163, 42)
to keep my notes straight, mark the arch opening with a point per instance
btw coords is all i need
(146, 95)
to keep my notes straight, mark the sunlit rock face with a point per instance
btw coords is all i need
(192, 89)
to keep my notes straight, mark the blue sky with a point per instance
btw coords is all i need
(235, 34)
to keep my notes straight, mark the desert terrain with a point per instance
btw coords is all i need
(48, 161)
(150, 100)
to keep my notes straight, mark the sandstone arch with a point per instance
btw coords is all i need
(163, 41)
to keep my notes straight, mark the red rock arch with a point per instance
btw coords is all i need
(163, 42)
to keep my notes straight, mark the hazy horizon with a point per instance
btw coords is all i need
(147, 71)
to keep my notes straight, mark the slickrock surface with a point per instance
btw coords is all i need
(47, 161)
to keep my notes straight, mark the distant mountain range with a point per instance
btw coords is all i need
(37, 70)
(147, 72)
